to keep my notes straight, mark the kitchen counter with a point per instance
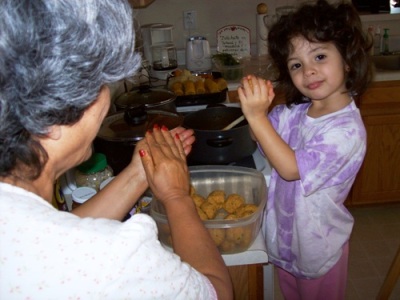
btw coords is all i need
(256, 254)
(387, 75)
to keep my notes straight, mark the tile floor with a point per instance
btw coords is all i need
(373, 244)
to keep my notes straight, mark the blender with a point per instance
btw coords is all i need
(159, 49)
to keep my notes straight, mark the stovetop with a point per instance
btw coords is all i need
(256, 161)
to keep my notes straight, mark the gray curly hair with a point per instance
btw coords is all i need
(54, 58)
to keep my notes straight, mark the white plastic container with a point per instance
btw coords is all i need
(248, 183)
(81, 195)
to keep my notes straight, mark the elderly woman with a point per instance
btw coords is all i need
(56, 59)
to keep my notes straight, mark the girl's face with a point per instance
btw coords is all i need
(317, 70)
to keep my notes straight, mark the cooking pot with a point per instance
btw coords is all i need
(214, 145)
(121, 131)
(151, 99)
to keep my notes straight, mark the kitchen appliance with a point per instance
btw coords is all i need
(198, 54)
(214, 145)
(159, 49)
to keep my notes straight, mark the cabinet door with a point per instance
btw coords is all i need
(379, 178)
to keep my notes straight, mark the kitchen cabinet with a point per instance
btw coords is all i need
(247, 281)
(378, 179)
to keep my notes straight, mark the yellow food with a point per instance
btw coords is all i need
(217, 198)
(211, 85)
(231, 217)
(210, 209)
(192, 190)
(233, 202)
(235, 234)
(227, 246)
(201, 214)
(217, 234)
(198, 200)
(218, 206)
(262, 8)
(195, 84)
(199, 87)
(221, 83)
(177, 88)
(246, 210)
(189, 88)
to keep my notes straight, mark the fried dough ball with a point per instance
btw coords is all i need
(235, 234)
(217, 197)
(233, 202)
(198, 200)
(201, 214)
(246, 210)
(210, 209)
(231, 217)
(192, 190)
(227, 246)
(247, 236)
(217, 234)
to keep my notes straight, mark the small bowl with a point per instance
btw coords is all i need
(231, 73)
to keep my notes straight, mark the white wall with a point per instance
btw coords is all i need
(214, 14)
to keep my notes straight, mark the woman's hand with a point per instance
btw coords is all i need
(186, 136)
(256, 95)
(164, 161)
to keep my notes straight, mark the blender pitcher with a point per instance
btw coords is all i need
(198, 54)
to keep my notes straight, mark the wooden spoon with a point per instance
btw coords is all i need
(234, 123)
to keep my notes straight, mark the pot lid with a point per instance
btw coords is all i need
(132, 124)
(145, 96)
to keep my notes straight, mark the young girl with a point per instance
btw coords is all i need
(316, 144)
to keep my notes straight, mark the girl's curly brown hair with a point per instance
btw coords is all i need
(322, 22)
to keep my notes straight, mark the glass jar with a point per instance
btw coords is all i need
(93, 172)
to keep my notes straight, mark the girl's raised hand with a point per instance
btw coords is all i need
(256, 95)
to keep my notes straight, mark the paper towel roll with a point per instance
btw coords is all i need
(262, 34)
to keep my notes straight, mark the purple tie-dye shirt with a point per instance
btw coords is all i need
(306, 223)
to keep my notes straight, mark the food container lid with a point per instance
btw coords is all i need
(97, 162)
(120, 127)
(105, 182)
(150, 98)
(82, 194)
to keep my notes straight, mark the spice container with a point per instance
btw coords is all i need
(93, 172)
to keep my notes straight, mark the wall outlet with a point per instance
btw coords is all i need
(189, 19)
